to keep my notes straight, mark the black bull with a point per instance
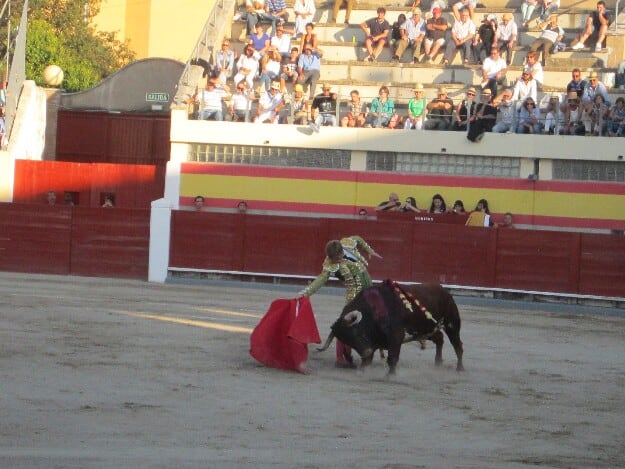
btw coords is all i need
(378, 318)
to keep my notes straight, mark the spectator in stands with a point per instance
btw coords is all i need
(417, 109)
(269, 105)
(439, 111)
(464, 111)
(553, 114)
(356, 111)
(594, 87)
(391, 205)
(381, 110)
(257, 12)
(458, 208)
(485, 117)
(576, 84)
(224, 62)
(323, 109)
(51, 197)
(493, 71)
(394, 34)
(68, 199)
(277, 8)
(507, 112)
(282, 41)
(109, 201)
(299, 105)
(349, 4)
(507, 221)
(596, 116)
(198, 203)
(376, 34)
(524, 87)
(549, 7)
(529, 118)
(412, 35)
(551, 35)
(247, 66)
(363, 214)
(507, 35)
(309, 37)
(410, 205)
(435, 30)
(572, 123)
(240, 104)
(462, 33)
(616, 122)
(527, 9)
(269, 68)
(242, 207)
(535, 69)
(289, 70)
(304, 13)
(596, 27)
(438, 204)
(481, 215)
(484, 38)
(464, 5)
(619, 79)
(210, 101)
(260, 40)
(309, 68)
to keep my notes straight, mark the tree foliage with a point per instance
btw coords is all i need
(61, 32)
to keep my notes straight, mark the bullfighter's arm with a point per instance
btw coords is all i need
(364, 246)
(316, 284)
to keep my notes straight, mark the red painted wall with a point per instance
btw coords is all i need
(546, 261)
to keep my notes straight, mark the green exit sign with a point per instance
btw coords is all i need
(156, 97)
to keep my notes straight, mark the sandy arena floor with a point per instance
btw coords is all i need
(125, 374)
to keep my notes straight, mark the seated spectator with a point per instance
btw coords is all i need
(260, 41)
(464, 111)
(484, 38)
(391, 205)
(527, 9)
(240, 104)
(507, 221)
(493, 71)
(464, 5)
(277, 8)
(480, 216)
(395, 33)
(485, 117)
(572, 123)
(304, 13)
(323, 109)
(507, 35)
(309, 68)
(289, 70)
(551, 35)
(363, 214)
(525, 87)
(616, 122)
(417, 109)
(439, 111)
(381, 110)
(309, 37)
(376, 34)
(507, 112)
(356, 111)
(576, 84)
(256, 13)
(462, 33)
(281, 41)
(594, 87)
(410, 205)
(269, 105)
(242, 206)
(596, 28)
(438, 204)
(210, 101)
(536, 70)
(269, 69)
(435, 30)
(198, 203)
(458, 208)
(68, 198)
(349, 5)
(553, 114)
(548, 7)
(247, 67)
(300, 107)
(529, 118)
(412, 33)
(596, 115)
(51, 197)
(224, 62)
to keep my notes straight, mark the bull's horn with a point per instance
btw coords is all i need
(353, 318)
(327, 343)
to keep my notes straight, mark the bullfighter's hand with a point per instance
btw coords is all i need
(375, 254)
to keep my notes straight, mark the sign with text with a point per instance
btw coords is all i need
(156, 97)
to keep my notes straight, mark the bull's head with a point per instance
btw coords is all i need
(353, 329)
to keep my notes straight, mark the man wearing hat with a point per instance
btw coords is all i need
(309, 68)
(323, 109)
(506, 35)
(439, 111)
(412, 34)
(435, 29)
(296, 112)
(572, 123)
(269, 105)
(594, 87)
(417, 109)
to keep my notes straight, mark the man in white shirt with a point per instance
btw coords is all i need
(462, 33)
(412, 34)
(210, 100)
(269, 105)
(493, 71)
(506, 35)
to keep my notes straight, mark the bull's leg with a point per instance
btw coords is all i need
(393, 358)
(454, 338)
(438, 339)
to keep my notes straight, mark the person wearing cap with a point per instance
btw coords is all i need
(469, 5)
(435, 30)
(507, 112)
(269, 105)
(289, 69)
(417, 109)
(596, 27)
(493, 71)
(485, 117)
(507, 33)
(462, 33)
(356, 111)
(551, 35)
(439, 111)
(247, 66)
(269, 68)
(309, 68)
(240, 104)
(376, 33)
(484, 38)
(594, 87)
(412, 35)
(572, 122)
(298, 112)
(323, 108)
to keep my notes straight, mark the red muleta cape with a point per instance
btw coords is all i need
(280, 339)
